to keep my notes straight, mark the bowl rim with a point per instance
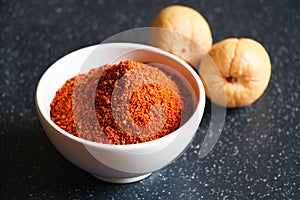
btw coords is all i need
(125, 147)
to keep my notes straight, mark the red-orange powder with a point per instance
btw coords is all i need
(126, 103)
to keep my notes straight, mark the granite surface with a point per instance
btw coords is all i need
(257, 155)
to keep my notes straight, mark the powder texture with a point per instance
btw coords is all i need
(126, 103)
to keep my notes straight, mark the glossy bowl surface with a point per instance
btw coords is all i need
(117, 163)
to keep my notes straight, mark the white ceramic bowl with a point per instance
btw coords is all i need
(116, 163)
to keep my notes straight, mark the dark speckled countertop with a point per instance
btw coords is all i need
(257, 155)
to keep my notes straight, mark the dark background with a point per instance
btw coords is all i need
(257, 155)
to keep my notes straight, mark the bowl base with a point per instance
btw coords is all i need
(122, 180)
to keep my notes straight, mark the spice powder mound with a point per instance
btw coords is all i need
(126, 103)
